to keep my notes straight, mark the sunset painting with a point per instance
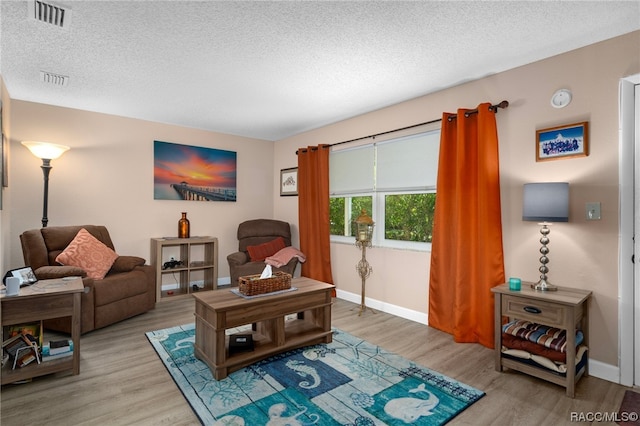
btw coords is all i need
(182, 172)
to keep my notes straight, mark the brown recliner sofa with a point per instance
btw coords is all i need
(128, 289)
(252, 233)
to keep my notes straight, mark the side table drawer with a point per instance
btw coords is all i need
(24, 309)
(533, 310)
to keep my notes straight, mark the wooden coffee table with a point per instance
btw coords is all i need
(219, 310)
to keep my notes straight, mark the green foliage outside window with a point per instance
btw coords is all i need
(409, 217)
(337, 212)
(336, 215)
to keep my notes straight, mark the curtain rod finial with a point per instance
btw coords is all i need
(502, 105)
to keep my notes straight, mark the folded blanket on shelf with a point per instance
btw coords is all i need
(513, 342)
(553, 338)
(540, 361)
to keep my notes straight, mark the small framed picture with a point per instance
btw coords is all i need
(26, 275)
(561, 142)
(289, 181)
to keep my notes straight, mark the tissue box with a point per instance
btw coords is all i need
(251, 285)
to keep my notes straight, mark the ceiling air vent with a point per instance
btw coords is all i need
(54, 79)
(50, 13)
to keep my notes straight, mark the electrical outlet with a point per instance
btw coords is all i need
(593, 211)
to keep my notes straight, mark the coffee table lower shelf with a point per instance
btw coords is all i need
(263, 348)
(217, 311)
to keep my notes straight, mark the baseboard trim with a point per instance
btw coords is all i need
(608, 372)
(384, 307)
(597, 369)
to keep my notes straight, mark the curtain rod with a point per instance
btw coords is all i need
(493, 108)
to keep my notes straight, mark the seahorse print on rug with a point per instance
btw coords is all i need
(305, 371)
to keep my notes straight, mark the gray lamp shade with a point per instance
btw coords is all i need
(546, 202)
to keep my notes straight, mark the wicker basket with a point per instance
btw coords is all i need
(253, 284)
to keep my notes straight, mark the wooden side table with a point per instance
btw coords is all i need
(43, 300)
(566, 309)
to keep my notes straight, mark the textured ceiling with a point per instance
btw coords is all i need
(269, 70)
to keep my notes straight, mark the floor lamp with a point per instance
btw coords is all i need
(46, 152)
(545, 203)
(364, 235)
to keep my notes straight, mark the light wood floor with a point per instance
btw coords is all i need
(123, 382)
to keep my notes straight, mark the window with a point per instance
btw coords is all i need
(394, 181)
(409, 217)
(343, 211)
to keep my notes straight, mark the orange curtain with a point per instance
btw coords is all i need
(313, 212)
(467, 257)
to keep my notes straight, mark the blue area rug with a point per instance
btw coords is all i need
(346, 382)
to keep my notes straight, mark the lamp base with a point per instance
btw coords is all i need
(543, 285)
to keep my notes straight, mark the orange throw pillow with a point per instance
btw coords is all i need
(264, 250)
(87, 252)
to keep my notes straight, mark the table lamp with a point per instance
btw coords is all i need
(545, 203)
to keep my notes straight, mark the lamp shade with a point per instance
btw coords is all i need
(546, 202)
(45, 150)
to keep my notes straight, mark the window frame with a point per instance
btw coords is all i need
(379, 232)
(379, 211)
(348, 238)
(378, 202)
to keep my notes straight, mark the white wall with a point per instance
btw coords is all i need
(583, 254)
(107, 178)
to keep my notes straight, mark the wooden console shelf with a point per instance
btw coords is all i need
(46, 299)
(220, 310)
(565, 309)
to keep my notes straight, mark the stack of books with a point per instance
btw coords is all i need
(21, 344)
(21, 350)
(57, 349)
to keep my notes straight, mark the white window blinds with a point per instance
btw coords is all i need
(407, 163)
(352, 170)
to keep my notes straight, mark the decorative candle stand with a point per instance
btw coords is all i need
(364, 235)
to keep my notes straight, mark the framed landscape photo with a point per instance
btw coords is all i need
(193, 173)
(560, 142)
(289, 181)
